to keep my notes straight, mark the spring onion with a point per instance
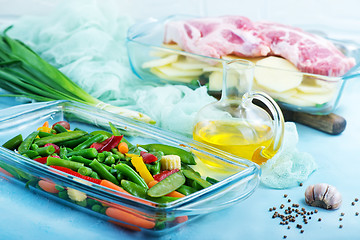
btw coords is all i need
(24, 73)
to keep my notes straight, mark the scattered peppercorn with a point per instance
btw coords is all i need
(319, 219)
(285, 236)
(356, 199)
(340, 226)
(342, 214)
(301, 184)
(316, 211)
(353, 203)
(285, 195)
(289, 200)
(357, 214)
(302, 231)
(340, 219)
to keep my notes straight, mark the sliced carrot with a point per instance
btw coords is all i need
(152, 183)
(113, 186)
(46, 124)
(127, 217)
(123, 147)
(48, 186)
(175, 194)
(130, 227)
(172, 194)
(6, 172)
(181, 219)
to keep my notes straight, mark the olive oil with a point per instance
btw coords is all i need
(240, 138)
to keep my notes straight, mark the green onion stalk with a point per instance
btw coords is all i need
(25, 74)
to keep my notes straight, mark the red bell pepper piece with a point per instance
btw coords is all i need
(43, 160)
(96, 145)
(148, 157)
(57, 148)
(164, 174)
(107, 144)
(76, 174)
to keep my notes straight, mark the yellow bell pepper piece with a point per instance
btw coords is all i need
(138, 163)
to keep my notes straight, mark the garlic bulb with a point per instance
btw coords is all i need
(323, 195)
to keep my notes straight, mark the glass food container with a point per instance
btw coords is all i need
(238, 177)
(151, 60)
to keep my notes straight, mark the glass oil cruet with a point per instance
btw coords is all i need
(234, 123)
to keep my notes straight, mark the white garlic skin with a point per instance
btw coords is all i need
(323, 195)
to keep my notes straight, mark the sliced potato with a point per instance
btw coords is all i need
(215, 81)
(277, 74)
(189, 65)
(313, 85)
(316, 98)
(175, 72)
(294, 100)
(161, 61)
(160, 74)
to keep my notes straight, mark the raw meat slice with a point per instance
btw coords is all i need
(216, 37)
(309, 53)
(236, 35)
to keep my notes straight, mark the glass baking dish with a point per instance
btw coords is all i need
(151, 60)
(238, 177)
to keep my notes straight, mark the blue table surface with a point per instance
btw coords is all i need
(26, 215)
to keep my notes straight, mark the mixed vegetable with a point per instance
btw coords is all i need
(155, 172)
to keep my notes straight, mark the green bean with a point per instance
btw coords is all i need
(86, 161)
(134, 189)
(101, 157)
(64, 163)
(163, 199)
(211, 180)
(186, 190)
(186, 157)
(62, 153)
(31, 154)
(87, 153)
(63, 195)
(167, 185)
(131, 174)
(59, 128)
(89, 141)
(103, 172)
(25, 145)
(14, 142)
(94, 175)
(44, 134)
(196, 185)
(45, 151)
(80, 159)
(60, 137)
(193, 176)
(74, 142)
(154, 168)
(85, 171)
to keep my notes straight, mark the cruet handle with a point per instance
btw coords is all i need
(262, 154)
